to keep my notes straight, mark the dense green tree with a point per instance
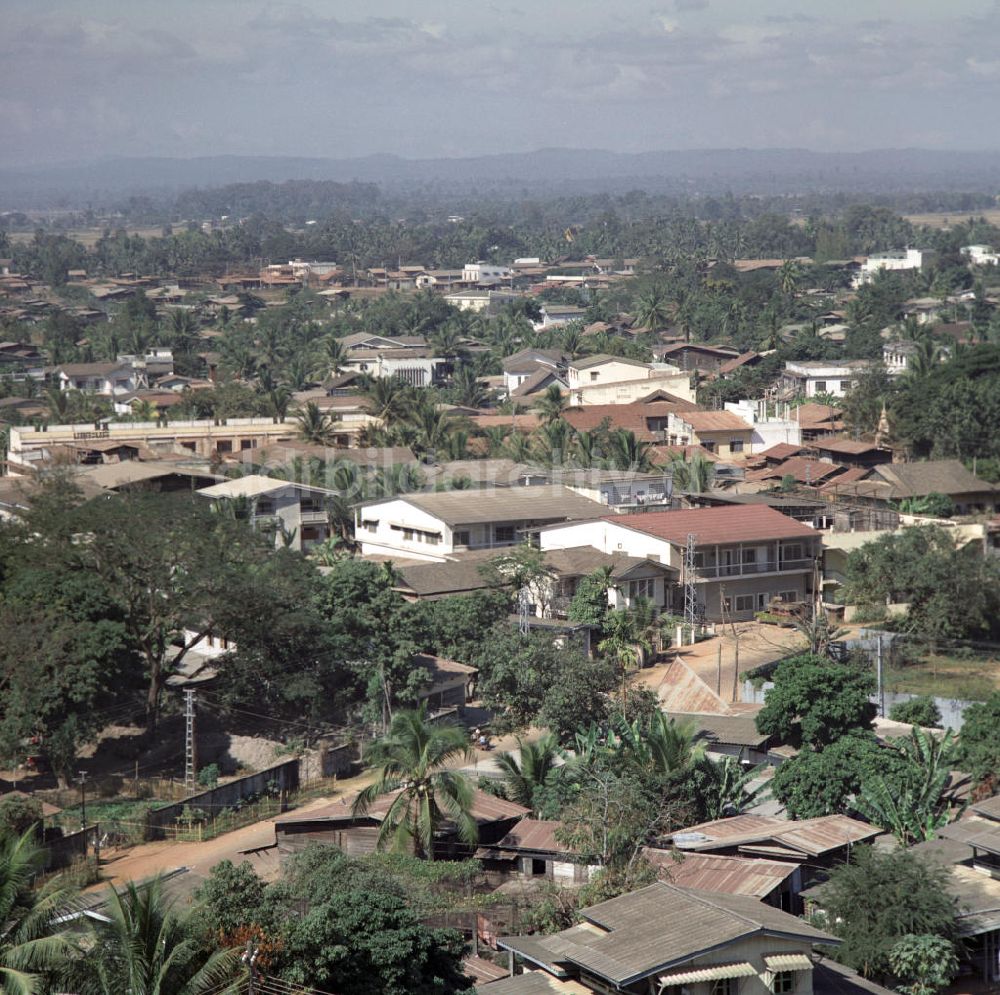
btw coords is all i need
(864, 905)
(927, 963)
(951, 592)
(979, 745)
(815, 702)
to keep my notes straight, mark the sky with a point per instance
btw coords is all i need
(86, 79)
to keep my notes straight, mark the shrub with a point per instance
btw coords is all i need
(918, 711)
(208, 777)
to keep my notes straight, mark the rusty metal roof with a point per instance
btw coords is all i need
(535, 834)
(485, 808)
(807, 838)
(658, 927)
(711, 872)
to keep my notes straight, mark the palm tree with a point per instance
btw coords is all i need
(30, 944)
(522, 778)
(467, 388)
(789, 274)
(316, 426)
(551, 404)
(408, 764)
(629, 453)
(692, 476)
(390, 398)
(652, 309)
(587, 448)
(552, 442)
(145, 948)
(58, 403)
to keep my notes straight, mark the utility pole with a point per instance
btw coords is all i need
(83, 798)
(190, 758)
(878, 675)
(250, 959)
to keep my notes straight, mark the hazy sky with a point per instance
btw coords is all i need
(90, 78)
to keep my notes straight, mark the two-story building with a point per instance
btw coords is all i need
(721, 432)
(111, 379)
(434, 526)
(294, 512)
(743, 557)
(604, 369)
(819, 377)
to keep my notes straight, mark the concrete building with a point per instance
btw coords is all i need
(902, 259)
(744, 556)
(720, 432)
(812, 378)
(295, 513)
(770, 425)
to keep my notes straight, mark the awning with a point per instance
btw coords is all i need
(711, 972)
(788, 962)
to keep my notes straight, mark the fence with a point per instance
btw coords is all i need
(61, 851)
(198, 830)
(276, 781)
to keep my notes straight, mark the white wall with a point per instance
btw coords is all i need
(384, 539)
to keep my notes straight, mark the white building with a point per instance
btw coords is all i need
(980, 255)
(895, 260)
(294, 512)
(489, 301)
(433, 526)
(484, 273)
(770, 427)
(807, 379)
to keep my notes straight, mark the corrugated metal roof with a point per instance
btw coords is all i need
(811, 837)
(485, 808)
(728, 730)
(715, 421)
(535, 834)
(550, 502)
(989, 807)
(787, 962)
(733, 523)
(716, 972)
(711, 872)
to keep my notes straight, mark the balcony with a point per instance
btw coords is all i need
(313, 516)
(717, 571)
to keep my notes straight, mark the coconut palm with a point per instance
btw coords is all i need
(552, 442)
(659, 743)
(652, 309)
(316, 426)
(789, 274)
(390, 399)
(629, 453)
(30, 944)
(692, 476)
(409, 764)
(551, 404)
(495, 437)
(467, 388)
(144, 947)
(535, 768)
(588, 448)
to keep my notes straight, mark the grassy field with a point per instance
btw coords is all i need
(88, 236)
(947, 677)
(947, 219)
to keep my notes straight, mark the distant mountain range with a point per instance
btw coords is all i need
(708, 171)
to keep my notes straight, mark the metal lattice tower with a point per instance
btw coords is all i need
(190, 759)
(523, 609)
(690, 591)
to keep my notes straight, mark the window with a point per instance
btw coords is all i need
(783, 982)
(736, 445)
(744, 602)
(726, 986)
(224, 446)
(370, 524)
(749, 556)
(846, 384)
(504, 533)
(789, 553)
(709, 444)
(788, 597)
(644, 588)
(594, 375)
(699, 561)
(246, 444)
(761, 601)
(461, 538)
(820, 386)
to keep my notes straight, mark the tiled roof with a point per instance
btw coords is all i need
(803, 469)
(815, 415)
(850, 447)
(632, 417)
(734, 523)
